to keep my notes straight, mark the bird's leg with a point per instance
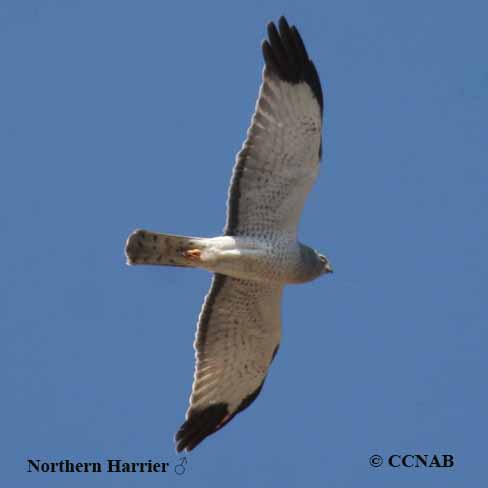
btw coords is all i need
(192, 254)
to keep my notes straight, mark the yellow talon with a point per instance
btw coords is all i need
(194, 254)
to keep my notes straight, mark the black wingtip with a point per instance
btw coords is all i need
(199, 425)
(283, 25)
(286, 57)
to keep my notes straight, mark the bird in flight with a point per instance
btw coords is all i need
(239, 326)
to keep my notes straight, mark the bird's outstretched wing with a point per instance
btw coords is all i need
(279, 160)
(238, 335)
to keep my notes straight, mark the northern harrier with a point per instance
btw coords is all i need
(239, 326)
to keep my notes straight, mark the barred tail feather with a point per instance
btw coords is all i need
(146, 247)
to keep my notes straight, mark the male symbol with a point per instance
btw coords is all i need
(180, 468)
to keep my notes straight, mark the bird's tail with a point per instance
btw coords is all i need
(145, 247)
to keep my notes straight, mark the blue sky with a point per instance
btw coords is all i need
(118, 115)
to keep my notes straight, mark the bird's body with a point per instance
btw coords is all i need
(279, 260)
(239, 327)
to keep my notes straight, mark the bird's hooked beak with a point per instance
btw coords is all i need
(328, 268)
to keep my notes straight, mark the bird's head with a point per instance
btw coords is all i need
(313, 264)
(326, 267)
